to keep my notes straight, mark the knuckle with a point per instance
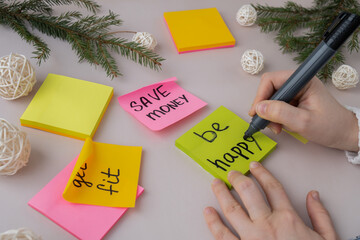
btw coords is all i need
(289, 216)
(322, 211)
(275, 109)
(212, 222)
(232, 208)
(265, 77)
(220, 234)
(274, 185)
(244, 184)
(305, 122)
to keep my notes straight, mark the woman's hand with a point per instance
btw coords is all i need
(278, 220)
(314, 113)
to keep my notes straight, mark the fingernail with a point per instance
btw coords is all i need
(207, 210)
(261, 108)
(273, 130)
(315, 195)
(232, 172)
(254, 164)
(216, 181)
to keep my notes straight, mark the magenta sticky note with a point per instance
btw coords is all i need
(83, 221)
(159, 105)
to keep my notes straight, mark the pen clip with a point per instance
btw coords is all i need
(335, 23)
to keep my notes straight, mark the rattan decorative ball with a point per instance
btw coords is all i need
(145, 39)
(19, 234)
(17, 76)
(252, 61)
(345, 77)
(246, 15)
(14, 148)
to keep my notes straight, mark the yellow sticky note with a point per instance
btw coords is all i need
(199, 29)
(297, 136)
(105, 175)
(67, 106)
(217, 144)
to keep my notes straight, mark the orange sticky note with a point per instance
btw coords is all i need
(200, 29)
(105, 175)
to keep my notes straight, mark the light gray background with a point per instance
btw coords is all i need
(176, 188)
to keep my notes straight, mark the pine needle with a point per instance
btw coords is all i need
(311, 23)
(89, 36)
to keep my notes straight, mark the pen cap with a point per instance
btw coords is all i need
(340, 29)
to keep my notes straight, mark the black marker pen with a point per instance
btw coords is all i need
(341, 28)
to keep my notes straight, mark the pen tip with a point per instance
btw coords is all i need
(246, 136)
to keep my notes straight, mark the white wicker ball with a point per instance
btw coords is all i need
(14, 148)
(246, 15)
(17, 76)
(145, 39)
(345, 77)
(252, 61)
(19, 234)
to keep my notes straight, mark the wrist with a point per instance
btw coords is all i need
(351, 136)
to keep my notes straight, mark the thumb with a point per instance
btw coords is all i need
(319, 216)
(294, 118)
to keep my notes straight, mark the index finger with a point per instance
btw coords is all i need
(270, 82)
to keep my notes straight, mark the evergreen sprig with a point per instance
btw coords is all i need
(300, 30)
(89, 35)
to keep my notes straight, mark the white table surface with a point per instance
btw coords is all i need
(176, 188)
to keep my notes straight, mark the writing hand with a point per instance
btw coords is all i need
(314, 113)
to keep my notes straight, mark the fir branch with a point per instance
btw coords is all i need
(88, 4)
(300, 30)
(42, 51)
(89, 36)
(353, 44)
(33, 6)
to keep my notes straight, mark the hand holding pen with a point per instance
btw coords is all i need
(314, 113)
(338, 32)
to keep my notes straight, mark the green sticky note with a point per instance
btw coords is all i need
(217, 144)
(297, 136)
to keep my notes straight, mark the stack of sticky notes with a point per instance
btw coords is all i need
(93, 191)
(96, 188)
(67, 106)
(217, 144)
(200, 29)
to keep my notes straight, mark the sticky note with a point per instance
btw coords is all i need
(83, 221)
(200, 29)
(105, 175)
(67, 106)
(217, 144)
(297, 136)
(159, 105)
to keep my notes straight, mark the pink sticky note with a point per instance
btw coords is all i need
(83, 221)
(159, 105)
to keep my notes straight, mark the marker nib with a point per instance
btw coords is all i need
(249, 132)
(247, 135)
